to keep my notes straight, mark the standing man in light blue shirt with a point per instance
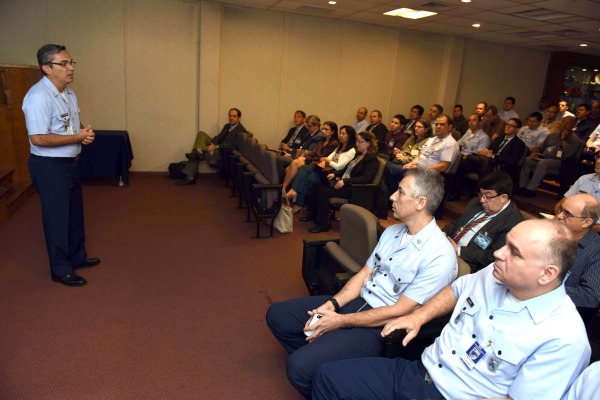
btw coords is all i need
(513, 333)
(411, 262)
(55, 137)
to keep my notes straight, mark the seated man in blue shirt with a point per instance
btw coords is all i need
(409, 265)
(514, 332)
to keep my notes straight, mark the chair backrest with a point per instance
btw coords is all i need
(255, 153)
(359, 232)
(270, 171)
(455, 164)
(379, 175)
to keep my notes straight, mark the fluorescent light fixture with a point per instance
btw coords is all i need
(583, 45)
(476, 25)
(409, 13)
(332, 2)
(465, 1)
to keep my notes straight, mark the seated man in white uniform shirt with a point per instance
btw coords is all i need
(440, 151)
(411, 262)
(514, 333)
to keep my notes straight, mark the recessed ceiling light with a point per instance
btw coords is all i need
(409, 13)
(583, 45)
(333, 2)
(584, 70)
(476, 25)
(465, 1)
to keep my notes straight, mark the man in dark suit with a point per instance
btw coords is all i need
(379, 130)
(295, 135)
(225, 141)
(506, 151)
(482, 227)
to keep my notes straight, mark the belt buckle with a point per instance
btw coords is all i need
(427, 378)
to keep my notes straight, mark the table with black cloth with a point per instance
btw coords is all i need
(109, 155)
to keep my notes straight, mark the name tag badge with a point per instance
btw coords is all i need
(414, 152)
(297, 141)
(559, 154)
(482, 241)
(391, 144)
(473, 355)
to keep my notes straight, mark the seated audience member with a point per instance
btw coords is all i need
(394, 171)
(362, 169)
(225, 141)
(480, 109)
(440, 151)
(293, 139)
(361, 120)
(534, 133)
(379, 130)
(550, 122)
(492, 124)
(326, 144)
(459, 122)
(396, 136)
(435, 111)
(585, 126)
(590, 184)
(474, 139)
(543, 106)
(337, 160)
(587, 385)
(415, 114)
(514, 333)
(409, 265)
(578, 213)
(505, 151)
(482, 227)
(309, 142)
(592, 146)
(472, 142)
(556, 149)
(508, 110)
(595, 113)
(563, 110)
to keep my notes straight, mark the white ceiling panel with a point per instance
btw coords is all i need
(498, 23)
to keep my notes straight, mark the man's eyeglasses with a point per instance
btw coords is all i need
(567, 213)
(64, 64)
(487, 196)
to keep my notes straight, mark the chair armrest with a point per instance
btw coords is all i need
(311, 262)
(265, 186)
(341, 278)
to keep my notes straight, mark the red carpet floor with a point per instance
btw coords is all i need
(176, 309)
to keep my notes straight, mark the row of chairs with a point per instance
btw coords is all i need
(255, 177)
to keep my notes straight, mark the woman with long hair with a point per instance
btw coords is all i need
(308, 175)
(362, 169)
(327, 144)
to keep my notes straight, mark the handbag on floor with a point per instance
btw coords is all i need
(284, 220)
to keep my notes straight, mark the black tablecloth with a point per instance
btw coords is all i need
(109, 155)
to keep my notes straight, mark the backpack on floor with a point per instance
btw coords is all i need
(176, 170)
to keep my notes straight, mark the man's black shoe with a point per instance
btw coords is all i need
(195, 155)
(88, 263)
(320, 228)
(70, 279)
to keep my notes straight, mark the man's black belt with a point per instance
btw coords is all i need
(57, 158)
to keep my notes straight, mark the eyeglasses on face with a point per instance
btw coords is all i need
(64, 64)
(487, 196)
(567, 213)
(360, 141)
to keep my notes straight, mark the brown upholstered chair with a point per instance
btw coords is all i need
(329, 263)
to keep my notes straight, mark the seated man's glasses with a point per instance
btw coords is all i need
(567, 213)
(487, 196)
